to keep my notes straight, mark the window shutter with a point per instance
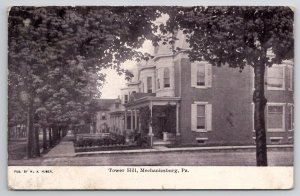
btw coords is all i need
(194, 117)
(208, 75)
(208, 117)
(193, 74)
(289, 79)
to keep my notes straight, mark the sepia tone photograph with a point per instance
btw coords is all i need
(150, 86)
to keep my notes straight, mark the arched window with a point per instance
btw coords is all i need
(166, 77)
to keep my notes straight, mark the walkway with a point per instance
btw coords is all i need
(64, 149)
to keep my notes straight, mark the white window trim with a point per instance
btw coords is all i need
(206, 116)
(291, 105)
(283, 74)
(283, 117)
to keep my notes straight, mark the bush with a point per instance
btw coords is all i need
(108, 141)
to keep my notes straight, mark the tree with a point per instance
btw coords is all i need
(58, 54)
(237, 37)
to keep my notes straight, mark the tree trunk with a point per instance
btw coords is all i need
(259, 115)
(36, 142)
(44, 138)
(30, 131)
(50, 137)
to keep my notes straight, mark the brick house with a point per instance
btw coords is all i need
(194, 102)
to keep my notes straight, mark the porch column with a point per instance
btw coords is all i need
(150, 126)
(125, 120)
(135, 119)
(115, 123)
(177, 119)
(140, 125)
(131, 120)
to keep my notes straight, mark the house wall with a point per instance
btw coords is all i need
(144, 73)
(232, 108)
(161, 64)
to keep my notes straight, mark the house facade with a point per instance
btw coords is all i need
(197, 103)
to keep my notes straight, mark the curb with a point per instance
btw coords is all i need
(183, 149)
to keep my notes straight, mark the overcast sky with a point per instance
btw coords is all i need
(114, 82)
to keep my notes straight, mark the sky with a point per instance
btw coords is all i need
(114, 82)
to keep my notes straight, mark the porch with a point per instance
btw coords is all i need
(154, 117)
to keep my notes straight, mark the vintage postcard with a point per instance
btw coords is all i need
(150, 97)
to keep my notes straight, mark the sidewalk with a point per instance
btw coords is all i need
(64, 149)
(180, 149)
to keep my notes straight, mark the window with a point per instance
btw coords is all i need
(103, 116)
(275, 78)
(200, 74)
(126, 99)
(149, 84)
(275, 117)
(290, 117)
(158, 85)
(166, 77)
(201, 117)
(117, 105)
(142, 87)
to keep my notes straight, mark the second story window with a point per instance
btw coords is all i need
(275, 78)
(126, 99)
(166, 77)
(200, 74)
(149, 84)
(158, 85)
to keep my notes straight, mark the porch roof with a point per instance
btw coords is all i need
(150, 100)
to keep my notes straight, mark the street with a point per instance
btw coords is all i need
(278, 157)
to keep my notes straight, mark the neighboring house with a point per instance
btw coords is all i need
(102, 116)
(194, 102)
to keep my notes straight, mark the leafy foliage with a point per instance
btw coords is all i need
(56, 55)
